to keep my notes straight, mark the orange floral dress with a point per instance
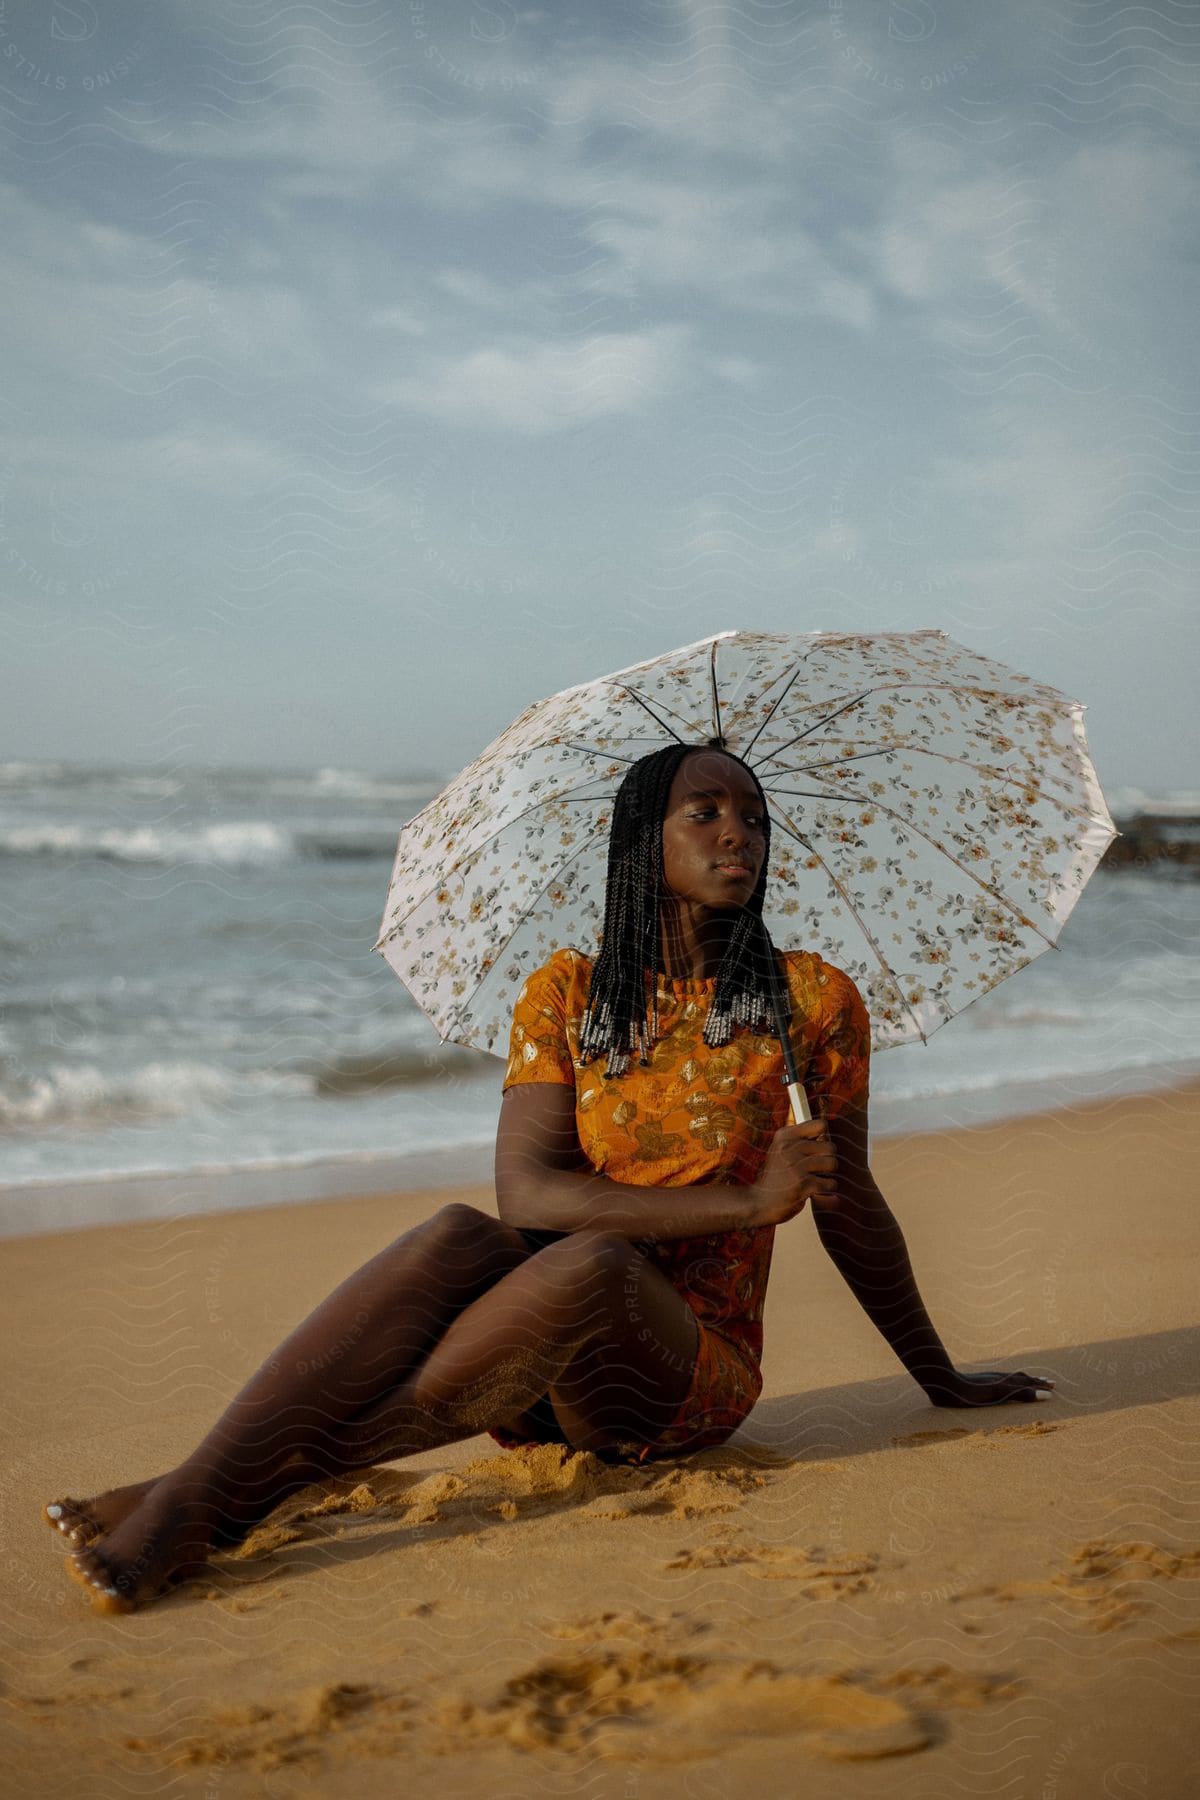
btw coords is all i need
(694, 1115)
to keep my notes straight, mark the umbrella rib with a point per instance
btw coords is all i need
(834, 762)
(883, 962)
(634, 695)
(712, 682)
(447, 874)
(819, 724)
(894, 687)
(524, 919)
(979, 715)
(777, 703)
(795, 793)
(584, 749)
(688, 724)
(942, 850)
(587, 750)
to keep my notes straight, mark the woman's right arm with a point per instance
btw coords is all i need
(544, 1181)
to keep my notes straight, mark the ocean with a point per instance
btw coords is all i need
(190, 993)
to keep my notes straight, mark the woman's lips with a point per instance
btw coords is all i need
(739, 869)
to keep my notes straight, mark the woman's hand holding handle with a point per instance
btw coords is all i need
(800, 1166)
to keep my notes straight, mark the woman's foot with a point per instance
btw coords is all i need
(153, 1548)
(83, 1520)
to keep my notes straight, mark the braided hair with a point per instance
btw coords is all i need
(620, 1017)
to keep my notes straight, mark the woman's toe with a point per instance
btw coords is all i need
(72, 1518)
(96, 1579)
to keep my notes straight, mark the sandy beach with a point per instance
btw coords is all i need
(860, 1595)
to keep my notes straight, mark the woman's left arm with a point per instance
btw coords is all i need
(863, 1239)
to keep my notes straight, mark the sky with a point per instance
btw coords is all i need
(375, 367)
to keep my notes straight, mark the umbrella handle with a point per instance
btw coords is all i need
(799, 1100)
(801, 1112)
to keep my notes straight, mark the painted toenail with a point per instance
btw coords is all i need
(55, 1511)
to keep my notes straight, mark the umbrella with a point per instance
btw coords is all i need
(935, 816)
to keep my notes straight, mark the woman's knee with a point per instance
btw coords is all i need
(594, 1263)
(458, 1222)
(461, 1238)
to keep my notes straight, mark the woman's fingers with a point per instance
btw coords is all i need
(821, 1162)
(1030, 1384)
(996, 1387)
(818, 1187)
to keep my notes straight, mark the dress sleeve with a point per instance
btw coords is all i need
(839, 1068)
(538, 1049)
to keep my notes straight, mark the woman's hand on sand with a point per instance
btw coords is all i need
(799, 1166)
(990, 1388)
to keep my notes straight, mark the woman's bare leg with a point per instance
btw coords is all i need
(587, 1313)
(422, 1280)
(426, 1278)
(589, 1320)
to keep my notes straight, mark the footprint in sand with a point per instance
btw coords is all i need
(638, 1689)
(1038, 1428)
(822, 1576)
(261, 1736)
(640, 1698)
(1099, 1579)
(71, 1698)
(631, 1627)
(933, 1437)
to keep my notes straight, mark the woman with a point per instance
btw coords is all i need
(643, 1161)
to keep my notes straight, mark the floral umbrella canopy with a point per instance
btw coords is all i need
(934, 816)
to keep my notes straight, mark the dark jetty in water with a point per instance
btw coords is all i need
(1161, 832)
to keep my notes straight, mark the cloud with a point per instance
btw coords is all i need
(593, 141)
(845, 300)
(1072, 244)
(489, 295)
(396, 318)
(214, 460)
(1046, 487)
(738, 371)
(734, 246)
(938, 242)
(541, 388)
(111, 310)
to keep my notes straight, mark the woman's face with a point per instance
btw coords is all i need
(713, 835)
